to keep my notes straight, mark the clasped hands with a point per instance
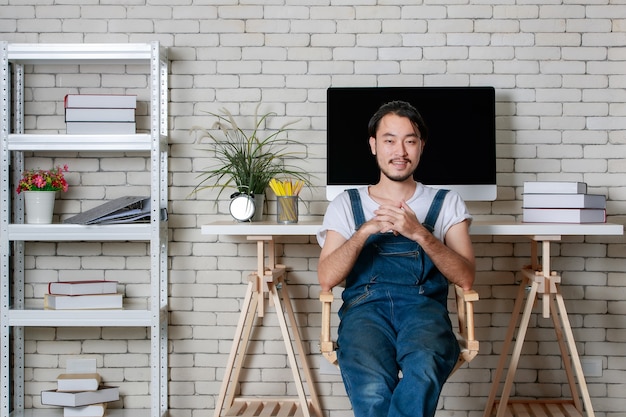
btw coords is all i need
(398, 219)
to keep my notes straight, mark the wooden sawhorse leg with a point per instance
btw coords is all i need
(268, 278)
(542, 281)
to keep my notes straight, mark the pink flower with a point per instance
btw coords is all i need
(44, 180)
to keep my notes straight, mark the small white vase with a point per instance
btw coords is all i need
(39, 206)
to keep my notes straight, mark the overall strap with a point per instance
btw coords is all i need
(429, 222)
(435, 208)
(357, 207)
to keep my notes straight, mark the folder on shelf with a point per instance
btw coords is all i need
(128, 209)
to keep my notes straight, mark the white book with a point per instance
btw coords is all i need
(563, 215)
(100, 101)
(82, 287)
(83, 302)
(76, 399)
(100, 128)
(99, 115)
(555, 187)
(93, 410)
(597, 201)
(67, 382)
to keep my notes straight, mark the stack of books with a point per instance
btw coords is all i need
(80, 391)
(82, 295)
(562, 202)
(100, 114)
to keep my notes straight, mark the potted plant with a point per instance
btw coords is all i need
(247, 160)
(40, 187)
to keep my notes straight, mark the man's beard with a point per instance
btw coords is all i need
(396, 178)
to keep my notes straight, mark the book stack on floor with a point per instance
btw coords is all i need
(82, 295)
(80, 391)
(562, 202)
(100, 114)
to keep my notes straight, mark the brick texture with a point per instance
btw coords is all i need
(558, 70)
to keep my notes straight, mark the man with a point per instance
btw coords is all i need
(396, 244)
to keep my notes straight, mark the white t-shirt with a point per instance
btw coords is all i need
(339, 215)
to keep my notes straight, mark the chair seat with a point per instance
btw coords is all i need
(464, 333)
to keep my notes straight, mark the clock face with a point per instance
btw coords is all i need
(242, 207)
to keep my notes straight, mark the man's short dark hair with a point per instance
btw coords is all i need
(402, 109)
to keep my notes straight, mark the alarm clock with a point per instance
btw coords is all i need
(242, 207)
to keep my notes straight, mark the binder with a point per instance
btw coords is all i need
(127, 209)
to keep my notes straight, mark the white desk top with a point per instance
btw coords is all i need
(479, 227)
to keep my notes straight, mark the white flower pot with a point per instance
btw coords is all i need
(39, 206)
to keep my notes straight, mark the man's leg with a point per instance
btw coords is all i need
(367, 359)
(427, 353)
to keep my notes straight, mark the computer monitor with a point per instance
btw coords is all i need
(460, 153)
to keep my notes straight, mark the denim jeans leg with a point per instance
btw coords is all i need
(427, 351)
(366, 357)
(387, 333)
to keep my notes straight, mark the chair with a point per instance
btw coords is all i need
(465, 332)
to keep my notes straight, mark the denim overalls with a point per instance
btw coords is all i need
(394, 320)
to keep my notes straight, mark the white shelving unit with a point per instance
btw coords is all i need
(14, 316)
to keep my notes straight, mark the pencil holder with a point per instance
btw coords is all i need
(287, 209)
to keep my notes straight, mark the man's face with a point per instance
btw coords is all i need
(397, 147)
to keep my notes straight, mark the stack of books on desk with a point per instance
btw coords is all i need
(100, 114)
(82, 295)
(561, 202)
(80, 391)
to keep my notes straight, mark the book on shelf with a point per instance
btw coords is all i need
(555, 187)
(100, 101)
(93, 410)
(78, 382)
(103, 394)
(563, 215)
(83, 302)
(100, 128)
(82, 287)
(596, 201)
(99, 115)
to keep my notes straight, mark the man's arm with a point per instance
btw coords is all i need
(454, 259)
(339, 254)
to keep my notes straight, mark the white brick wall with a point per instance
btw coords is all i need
(558, 70)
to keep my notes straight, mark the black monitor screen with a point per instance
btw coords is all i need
(460, 150)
